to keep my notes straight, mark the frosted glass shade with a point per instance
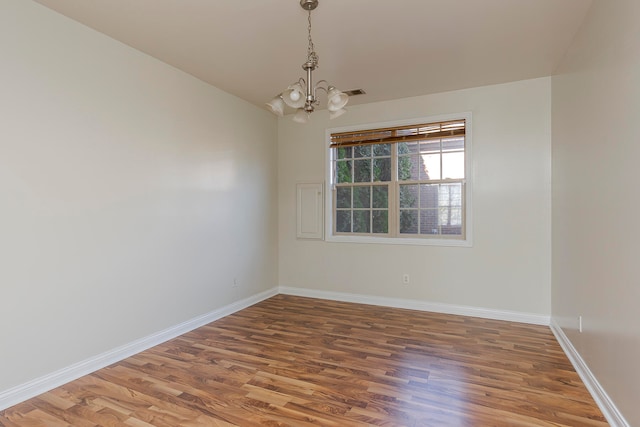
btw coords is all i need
(276, 105)
(294, 96)
(336, 99)
(301, 116)
(334, 114)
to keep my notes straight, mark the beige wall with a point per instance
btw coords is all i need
(131, 194)
(596, 134)
(508, 267)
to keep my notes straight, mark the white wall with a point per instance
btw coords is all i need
(131, 194)
(508, 267)
(596, 201)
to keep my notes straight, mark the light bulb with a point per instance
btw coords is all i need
(293, 96)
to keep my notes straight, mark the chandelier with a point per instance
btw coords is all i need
(302, 94)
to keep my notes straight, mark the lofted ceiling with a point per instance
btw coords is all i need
(391, 49)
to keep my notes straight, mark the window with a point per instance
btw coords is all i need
(403, 183)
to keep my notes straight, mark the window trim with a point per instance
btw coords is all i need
(421, 241)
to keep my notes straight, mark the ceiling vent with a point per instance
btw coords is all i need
(354, 92)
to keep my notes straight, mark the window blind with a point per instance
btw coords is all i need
(397, 134)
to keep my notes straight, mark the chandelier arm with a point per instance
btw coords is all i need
(318, 85)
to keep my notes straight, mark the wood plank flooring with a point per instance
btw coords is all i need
(291, 361)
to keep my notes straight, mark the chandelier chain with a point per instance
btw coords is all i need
(312, 56)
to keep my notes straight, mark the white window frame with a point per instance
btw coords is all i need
(423, 241)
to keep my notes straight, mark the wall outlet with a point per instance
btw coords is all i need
(405, 279)
(580, 324)
(235, 282)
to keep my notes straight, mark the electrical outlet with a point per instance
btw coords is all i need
(235, 282)
(580, 324)
(405, 279)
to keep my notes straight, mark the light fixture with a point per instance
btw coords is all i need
(276, 105)
(302, 94)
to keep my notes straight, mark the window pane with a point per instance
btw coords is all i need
(453, 165)
(343, 221)
(430, 147)
(345, 152)
(362, 170)
(343, 196)
(407, 147)
(380, 197)
(453, 230)
(451, 218)
(409, 168)
(453, 144)
(344, 171)
(429, 221)
(409, 221)
(381, 221)
(431, 166)
(361, 221)
(380, 150)
(382, 169)
(450, 194)
(409, 196)
(362, 151)
(404, 168)
(429, 196)
(362, 197)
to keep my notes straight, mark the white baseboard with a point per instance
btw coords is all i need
(510, 316)
(604, 402)
(48, 382)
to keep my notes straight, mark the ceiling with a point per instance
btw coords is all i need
(392, 49)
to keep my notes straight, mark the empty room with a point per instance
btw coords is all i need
(319, 213)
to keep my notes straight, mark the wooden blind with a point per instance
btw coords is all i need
(397, 134)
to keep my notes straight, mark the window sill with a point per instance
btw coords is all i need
(400, 241)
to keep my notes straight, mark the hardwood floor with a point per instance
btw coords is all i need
(291, 361)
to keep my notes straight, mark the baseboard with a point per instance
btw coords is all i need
(604, 402)
(511, 316)
(48, 382)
